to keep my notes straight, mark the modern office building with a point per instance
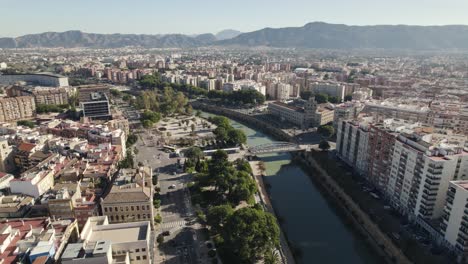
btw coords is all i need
(96, 106)
(45, 79)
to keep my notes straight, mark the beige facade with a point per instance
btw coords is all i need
(17, 108)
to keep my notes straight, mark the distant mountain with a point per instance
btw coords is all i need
(313, 35)
(72, 39)
(335, 36)
(227, 34)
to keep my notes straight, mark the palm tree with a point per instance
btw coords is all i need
(271, 257)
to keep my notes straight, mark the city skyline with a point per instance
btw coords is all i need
(185, 17)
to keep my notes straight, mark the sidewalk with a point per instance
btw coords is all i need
(285, 252)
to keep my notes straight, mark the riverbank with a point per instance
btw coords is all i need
(346, 217)
(286, 253)
(360, 220)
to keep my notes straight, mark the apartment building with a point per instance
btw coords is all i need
(102, 242)
(7, 163)
(17, 108)
(42, 95)
(331, 89)
(352, 144)
(422, 167)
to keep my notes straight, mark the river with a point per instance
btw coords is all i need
(310, 223)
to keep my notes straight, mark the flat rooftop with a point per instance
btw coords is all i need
(121, 233)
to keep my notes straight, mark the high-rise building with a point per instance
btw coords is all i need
(17, 108)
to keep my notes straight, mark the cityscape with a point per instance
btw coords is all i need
(321, 143)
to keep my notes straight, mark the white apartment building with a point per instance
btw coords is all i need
(421, 172)
(104, 243)
(454, 224)
(34, 182)
(352, 144)
(282, 91)
(244, 85)
(331, 89)
(7, 163)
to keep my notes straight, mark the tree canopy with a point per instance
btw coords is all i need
(326, 131)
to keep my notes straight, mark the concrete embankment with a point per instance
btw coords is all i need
(378, 240)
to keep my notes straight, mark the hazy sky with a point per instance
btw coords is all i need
(19, 17)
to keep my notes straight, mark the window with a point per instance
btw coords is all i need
(126, 208)
(110, 209)
(143, 249)
(138, 216)
(132, 208)
(148, 216)
(105, 209)
(112, 218)
(144, 257)
(138, 207)
(115, 208)
(137, 250)
(138, 258)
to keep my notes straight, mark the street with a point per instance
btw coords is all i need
(179, 224)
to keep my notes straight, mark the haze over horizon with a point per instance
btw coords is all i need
(210, 16)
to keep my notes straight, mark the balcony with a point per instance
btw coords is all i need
(435, 167)
(435, 172)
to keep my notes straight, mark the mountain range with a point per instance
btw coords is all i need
(313, 35)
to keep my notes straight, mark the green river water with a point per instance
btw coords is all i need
(308, 220)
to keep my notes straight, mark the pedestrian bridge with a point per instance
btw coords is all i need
(274, 147)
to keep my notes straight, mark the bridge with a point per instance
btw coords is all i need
(274, 147)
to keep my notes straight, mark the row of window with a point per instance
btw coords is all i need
(127, 208)
(122, 217)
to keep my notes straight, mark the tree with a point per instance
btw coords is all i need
(334, 100)
(326, 131)
(26, 123)
(160, 239)
(218, 215)
(324, 145)
(236, 136)
(221, 133)
(248, 234)
(198, 113)
(194, 154)
(348, 98)
(271, 257)
(131, 139)
(192, 127)
(321, 98)
(306, 95)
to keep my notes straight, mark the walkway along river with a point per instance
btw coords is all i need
(313, 227)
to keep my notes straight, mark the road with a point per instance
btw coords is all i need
(182, 244)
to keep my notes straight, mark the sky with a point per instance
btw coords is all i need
(20, 17)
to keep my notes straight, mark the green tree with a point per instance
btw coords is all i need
(326, 131)
(160, 239)
(348, 98)
(334, 100)
(248, 234)
(221, 133)
(321, 98)
(194, 154)
(306, 95)
(236, 136)
(26, 123)
(218, 215)
(271, 257)
(131, 139)
(324, 145)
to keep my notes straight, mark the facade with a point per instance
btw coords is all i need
(331, 89)
(97, 106)
(45, 79)
(17, 108)
(310, 115)
(130, 202)
(85, 91)
(7, 163)
(352, 144)
(34, 182)
(102, 242)
(454, 224)
(42, 95)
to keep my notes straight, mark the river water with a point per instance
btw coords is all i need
(310, 223)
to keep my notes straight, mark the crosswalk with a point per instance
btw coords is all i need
(173, 225)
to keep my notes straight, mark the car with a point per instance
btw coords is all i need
(172, 186)
(374, 195)
(166, 233)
